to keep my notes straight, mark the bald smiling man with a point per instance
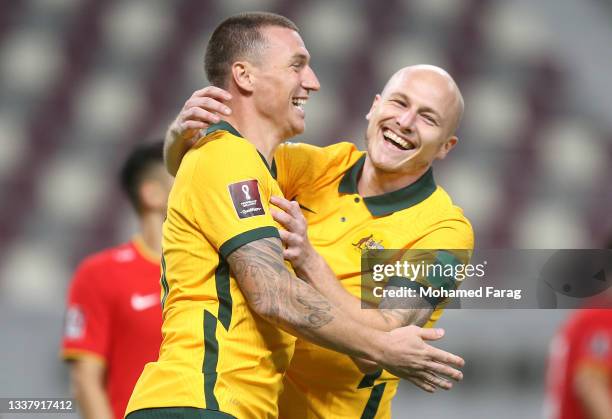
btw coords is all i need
(354, 201)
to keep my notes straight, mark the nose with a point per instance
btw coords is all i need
(310, 81)
(406, 120)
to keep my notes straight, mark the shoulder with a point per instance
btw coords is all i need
(223, 150)
(98, 266)
(446, 210)
(591, 318)
(338, 149)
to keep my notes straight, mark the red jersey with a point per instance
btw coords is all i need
(585, 339)
(114, 314)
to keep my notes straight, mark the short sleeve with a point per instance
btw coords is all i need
(303, 166)
(441, 251)
(230, 195)
(449, 244)
(88, 315)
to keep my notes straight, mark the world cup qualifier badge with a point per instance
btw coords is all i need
(246, 199)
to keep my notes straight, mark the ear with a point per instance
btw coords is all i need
(152, 195)
(242, 75)
(374, 103)
(447, 147)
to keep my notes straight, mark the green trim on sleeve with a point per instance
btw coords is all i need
(244, 238)
(398, 281)
(445, 258)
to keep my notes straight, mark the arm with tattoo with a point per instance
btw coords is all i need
(312, 268)
(391, 313)
(278, 296)
(282, 299)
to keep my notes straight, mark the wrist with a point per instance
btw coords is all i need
(377, 345)
(310, 268)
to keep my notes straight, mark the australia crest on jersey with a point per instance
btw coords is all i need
(368, 243)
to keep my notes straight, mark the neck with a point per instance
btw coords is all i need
(151, 230)
(376, 182)
(257, 130)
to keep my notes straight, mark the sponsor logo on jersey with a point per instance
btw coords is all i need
(143, 302)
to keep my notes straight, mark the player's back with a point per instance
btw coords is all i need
(216, 353)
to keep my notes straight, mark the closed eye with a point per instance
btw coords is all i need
(298, 65)
(430, 119)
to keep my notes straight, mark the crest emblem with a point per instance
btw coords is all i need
(368, 243)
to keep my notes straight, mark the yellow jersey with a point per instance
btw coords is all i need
(321, 383)
(216, 353)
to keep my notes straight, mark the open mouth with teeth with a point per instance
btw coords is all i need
(396, 140)
(298, 103)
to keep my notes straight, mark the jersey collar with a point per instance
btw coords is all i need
(385, 204)
(144, 250)
(226, 126)
(223, 126)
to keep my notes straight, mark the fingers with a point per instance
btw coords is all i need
(214, 92)
(207, 103)
(290, 207)
(439, 355)
(292, 243)
(290, 240)
(192, 125)
(422, 384)
(202, 109)
(291, 217)
(284, 219)
(444, 357)
(198, 116)
(444, 370)
(436, 381)
(431, 334)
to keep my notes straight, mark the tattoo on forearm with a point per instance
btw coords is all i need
(270, 288)
(405, 312)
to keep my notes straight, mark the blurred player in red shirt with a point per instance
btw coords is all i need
(579, 382)
(113, 318)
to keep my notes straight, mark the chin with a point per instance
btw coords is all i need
(385, 166)
(297, 129)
